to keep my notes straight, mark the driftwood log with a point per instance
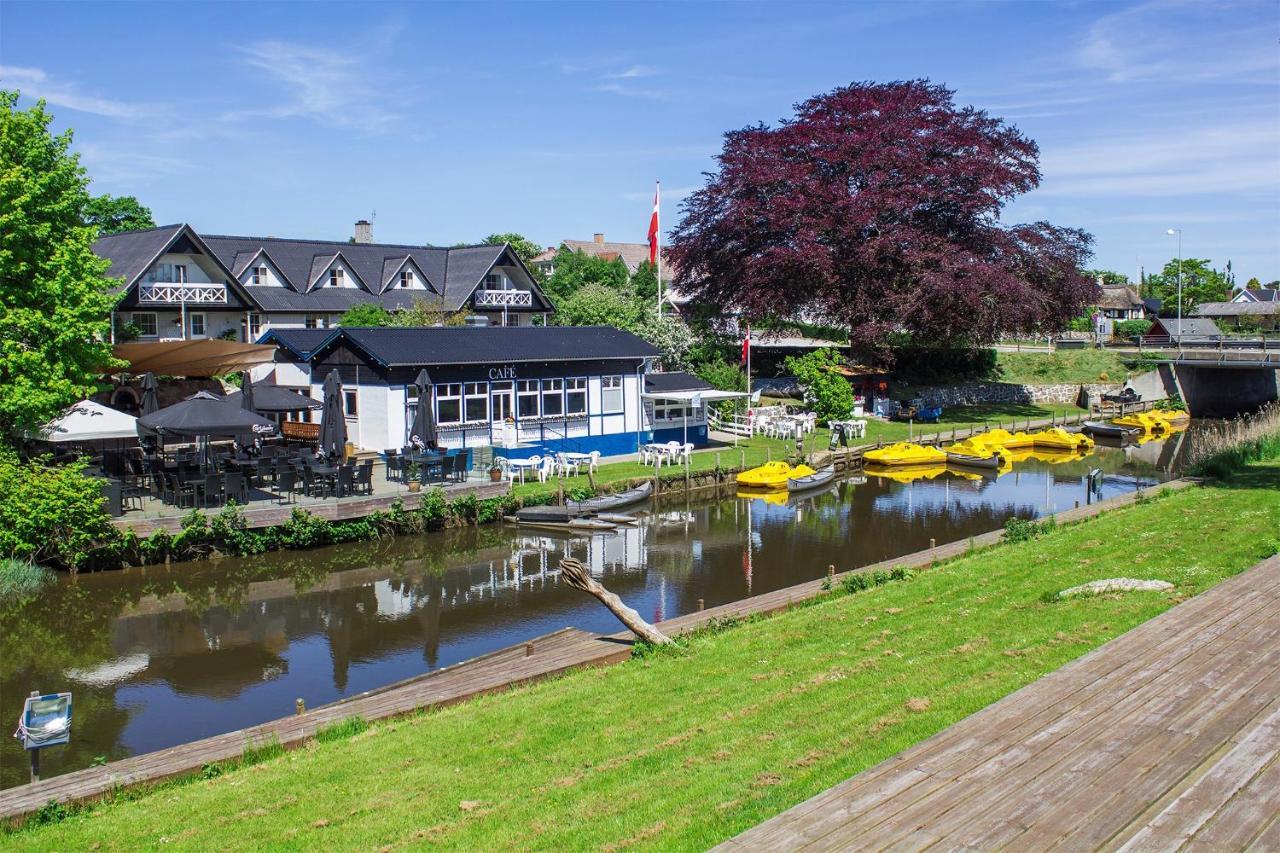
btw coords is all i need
(577, 576)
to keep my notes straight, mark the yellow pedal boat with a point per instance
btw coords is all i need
(1058, 438)
(772, 475)
(905, 453)
(1147, 421)
(1172, 415)
(1004, 438)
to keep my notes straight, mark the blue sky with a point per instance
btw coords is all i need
(453, 121)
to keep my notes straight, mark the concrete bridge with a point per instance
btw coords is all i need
(1214, 383)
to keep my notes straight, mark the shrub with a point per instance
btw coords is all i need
(434, 509)
(1023, 529)
(1132, 328)
(50, 514)
(826, 391)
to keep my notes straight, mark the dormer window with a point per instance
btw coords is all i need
(259, 275)
(493, 281)
(335, 278)
(406, 278)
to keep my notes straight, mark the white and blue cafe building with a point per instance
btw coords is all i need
(521, 391)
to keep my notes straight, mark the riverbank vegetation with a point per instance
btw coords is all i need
(684, 748)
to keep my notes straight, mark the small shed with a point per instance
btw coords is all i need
(1187, 327)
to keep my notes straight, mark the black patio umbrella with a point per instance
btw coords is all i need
(333, 423)
(268, 398)
(203, 415)
(423, 432)
(246, 392)
(150, 394)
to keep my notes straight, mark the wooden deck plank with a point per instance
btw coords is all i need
(1200, 676)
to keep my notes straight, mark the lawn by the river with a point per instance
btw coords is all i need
(684, 749)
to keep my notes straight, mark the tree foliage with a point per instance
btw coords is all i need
(1200, 283)
(49, 514)
(524, 248)
(427, 312)
(602, 305)
(1109, 277)
(827, 393)
(575, 270)
(55, 298)
(876, 208)
(366, 314)
(644, 281)
(110, 214)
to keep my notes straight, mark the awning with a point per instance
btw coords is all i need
(90, 421)
(706, 395)
(202, 357)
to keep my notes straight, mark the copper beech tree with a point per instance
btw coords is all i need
(877, 208)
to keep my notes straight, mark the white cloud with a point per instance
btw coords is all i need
(36, 83)
(332, 88)
(114, 165)
(633, 72)
(630, 91)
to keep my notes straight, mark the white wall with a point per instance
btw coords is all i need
(200, 270)
(168, 325)
(274, 279)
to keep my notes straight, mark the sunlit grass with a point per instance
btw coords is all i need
(681, 750)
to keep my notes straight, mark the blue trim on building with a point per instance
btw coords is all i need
(615, 444)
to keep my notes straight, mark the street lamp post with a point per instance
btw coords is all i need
(1171, 232)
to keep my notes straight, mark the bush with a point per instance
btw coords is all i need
(722, 376)
(1132, 328)
(50, 514)
(1023, 530)
(826, 391)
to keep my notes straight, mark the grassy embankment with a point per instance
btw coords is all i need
(758, 450)
(1064, 367)
(683, 748)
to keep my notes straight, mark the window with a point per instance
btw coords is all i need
(180, 273)
(527, 398)
(611, 394)
(350, 403)
(552, 397)
(493, 281)
(255, 326)
(513, 319)
(316, 321)
(477, 407)
(196, 321)
(575, 396)
(146, 323)
(406, 278)
(259, 275)
(335, 277)
(449, 403)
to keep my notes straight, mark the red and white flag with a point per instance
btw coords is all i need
(746, 345)
(653, 226)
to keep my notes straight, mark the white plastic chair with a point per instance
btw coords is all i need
(546, 468)
(686, 452)
(594, 462)
(568, 467)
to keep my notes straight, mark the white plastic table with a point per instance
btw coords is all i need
(519, 466)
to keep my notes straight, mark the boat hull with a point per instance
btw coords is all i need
(812, 481)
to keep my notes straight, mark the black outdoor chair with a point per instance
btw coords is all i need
(346, 481)
(180, 492)
(287, 484)
(114, 493)
(235, 488)
(396, 469)
(313, 484)
(211, 491)
(364, 478)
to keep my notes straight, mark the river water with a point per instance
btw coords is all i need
(166, 654)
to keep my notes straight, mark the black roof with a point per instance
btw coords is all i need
(415, 346)
(657, 383)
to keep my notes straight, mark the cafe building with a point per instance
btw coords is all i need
(519, 390)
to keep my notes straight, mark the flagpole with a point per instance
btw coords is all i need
(657, 206)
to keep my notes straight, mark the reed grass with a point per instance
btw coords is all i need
(1223, 449)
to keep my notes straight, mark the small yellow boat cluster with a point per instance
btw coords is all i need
(905, 453)
(1156, 420)
(995, 449)
(772, 475)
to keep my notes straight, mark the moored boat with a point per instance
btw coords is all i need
(772, 475)
(816, 480)
(1004, 438)
(1145, 421)
(608, 503)
(1172, 415)
(1109, 430)
(1057, 438)
(905, 453)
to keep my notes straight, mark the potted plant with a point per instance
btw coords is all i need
(495, 473)
(411, 475)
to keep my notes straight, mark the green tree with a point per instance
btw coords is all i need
(524, 248)
(428, 312)
(366, 314)
(575, 270)
(826, 392)
(110, 214)
(645, 281)
(55, 297)
(1107, 276)
(601, 305)
(1200, 283)
(1253, 284)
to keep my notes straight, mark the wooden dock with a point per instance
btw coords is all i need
(1167, 737)
(540, 658)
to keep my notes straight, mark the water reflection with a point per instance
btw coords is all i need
(162, 655)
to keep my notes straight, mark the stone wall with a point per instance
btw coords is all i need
(977, 393)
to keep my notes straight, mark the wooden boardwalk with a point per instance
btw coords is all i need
(1167, 737)
(550, 655)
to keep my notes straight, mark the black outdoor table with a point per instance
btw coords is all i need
(428, 461)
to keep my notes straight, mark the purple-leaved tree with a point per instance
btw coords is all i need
(877, 208)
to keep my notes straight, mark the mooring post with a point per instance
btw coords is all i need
(831, 572)
(933, 543)
(528, 650)
(35, 753)
(299, 707)
(701, 605)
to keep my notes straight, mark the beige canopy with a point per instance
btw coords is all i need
(200, 357)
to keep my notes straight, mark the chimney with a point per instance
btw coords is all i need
(364, 231)
(599, 237)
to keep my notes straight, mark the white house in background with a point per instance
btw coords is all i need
(178, 284)
(1257, 294)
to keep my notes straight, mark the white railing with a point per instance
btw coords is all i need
(175, 293)
(733, 424)
(499, 298)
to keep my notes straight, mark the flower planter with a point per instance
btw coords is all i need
(495, 475)
(415, 486)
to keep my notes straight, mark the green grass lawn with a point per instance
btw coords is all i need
(1062, 367)
(685, 748)
(758, 450)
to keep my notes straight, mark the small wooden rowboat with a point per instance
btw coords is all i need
(991, 462)
(1109, 430)
(608, 503)
(816, 480)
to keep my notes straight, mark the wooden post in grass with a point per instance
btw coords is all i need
(576, 575)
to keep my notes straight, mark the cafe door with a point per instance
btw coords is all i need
(502, 402)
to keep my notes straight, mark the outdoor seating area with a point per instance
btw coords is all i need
(671, 453)
(409, 464)
(566, 464)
